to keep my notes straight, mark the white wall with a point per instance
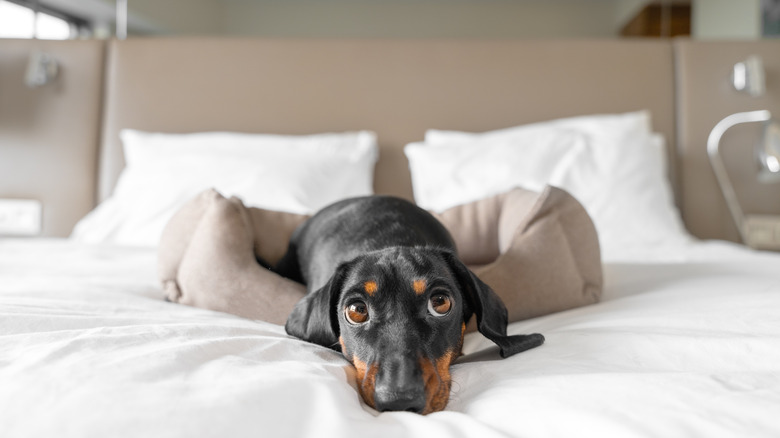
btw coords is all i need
(726, 19)
(415, 18)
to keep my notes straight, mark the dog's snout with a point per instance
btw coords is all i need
(399, 387)
(410, 400)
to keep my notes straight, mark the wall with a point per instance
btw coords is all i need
(49, 135)
(420, 19)
(726, 19)
(180, 16)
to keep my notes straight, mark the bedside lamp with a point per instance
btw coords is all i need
(757, 231)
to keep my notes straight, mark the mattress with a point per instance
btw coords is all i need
(685, 343)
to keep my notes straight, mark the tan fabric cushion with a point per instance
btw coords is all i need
(206, 258)
(538, 251)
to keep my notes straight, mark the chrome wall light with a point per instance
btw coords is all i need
(748, 76)
(42, 68)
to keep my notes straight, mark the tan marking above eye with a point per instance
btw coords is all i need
(419, 286)
(370, 287)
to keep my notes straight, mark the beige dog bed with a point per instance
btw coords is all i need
(538, 251)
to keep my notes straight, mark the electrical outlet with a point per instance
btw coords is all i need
(762, 231)
(20, 217)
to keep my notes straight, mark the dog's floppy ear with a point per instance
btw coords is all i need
(490, 311)
(314, 318)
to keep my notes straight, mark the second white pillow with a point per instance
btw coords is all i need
(462, 172)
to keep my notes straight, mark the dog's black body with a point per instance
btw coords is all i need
(386, 288)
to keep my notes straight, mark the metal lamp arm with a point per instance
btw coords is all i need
(713, 150)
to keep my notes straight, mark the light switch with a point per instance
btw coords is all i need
(20, 217)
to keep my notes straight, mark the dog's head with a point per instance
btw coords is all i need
(399, 315)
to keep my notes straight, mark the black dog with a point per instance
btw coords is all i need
(386, 287)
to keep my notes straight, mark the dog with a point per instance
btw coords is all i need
(386, 288)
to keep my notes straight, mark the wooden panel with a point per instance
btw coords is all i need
(657, 20)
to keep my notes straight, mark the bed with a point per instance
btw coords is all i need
(677, 347)
(685, 340)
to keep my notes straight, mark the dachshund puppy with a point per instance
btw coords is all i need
(386, 288)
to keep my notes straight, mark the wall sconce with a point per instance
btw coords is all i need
(748, 76)
(42, 68)
(757, 231)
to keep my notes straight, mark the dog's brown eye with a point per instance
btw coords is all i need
(439, 304)
(356, 312)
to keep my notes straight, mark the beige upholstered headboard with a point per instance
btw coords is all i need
(398, 88)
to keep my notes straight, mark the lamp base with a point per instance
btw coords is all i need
(762, 231)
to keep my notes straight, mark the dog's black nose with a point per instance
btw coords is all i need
(399, 385)
(410, 401)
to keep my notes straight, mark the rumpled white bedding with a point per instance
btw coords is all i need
(686, 343)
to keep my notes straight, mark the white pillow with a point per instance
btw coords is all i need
(608, 133)
(621, 179)
(462, 172)
(632, 205)
(298, 174)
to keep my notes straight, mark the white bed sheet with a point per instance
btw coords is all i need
(684, 344)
